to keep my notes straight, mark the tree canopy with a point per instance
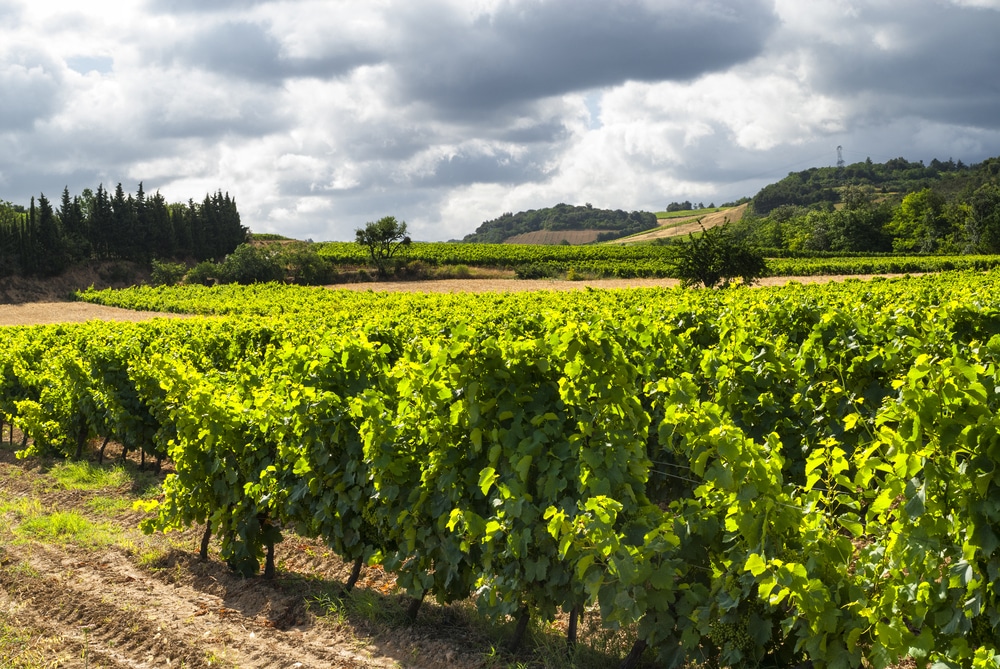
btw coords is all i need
(616, 223)
(103, 225)
(898, 206)
(383, 238)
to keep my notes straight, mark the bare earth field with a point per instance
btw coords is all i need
(677, 227)
(555, 237)
(40, 313)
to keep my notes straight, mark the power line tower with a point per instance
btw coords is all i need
(840, 157)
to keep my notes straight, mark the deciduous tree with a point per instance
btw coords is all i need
(383, 238)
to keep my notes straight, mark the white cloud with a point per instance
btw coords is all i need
(320, 115)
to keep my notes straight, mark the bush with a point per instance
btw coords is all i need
(205, 273)
(167, 273)
(535, 270)
(305, 267)
(252, 264)
(717, 257)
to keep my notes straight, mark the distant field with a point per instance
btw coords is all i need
(574, 237)
(676, 226)
(686, 213)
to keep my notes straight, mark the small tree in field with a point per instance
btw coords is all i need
(383, 239)
(717, 257)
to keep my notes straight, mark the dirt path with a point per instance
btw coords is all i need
(677, 227)
(40, 313)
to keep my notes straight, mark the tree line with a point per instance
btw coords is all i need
(44, 238)
(896, 207)
(615, 223)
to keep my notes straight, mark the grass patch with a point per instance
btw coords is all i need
(684, 213)
(20, 508)
(66, 527)
(360, 605)
(88, 476)
(108, 506)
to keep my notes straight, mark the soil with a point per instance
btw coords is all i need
(100, 275)
(40, 313)
(551, 237)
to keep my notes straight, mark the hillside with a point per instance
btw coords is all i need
(681, 227)
(897, 206)
(825, 185)
(606, 223)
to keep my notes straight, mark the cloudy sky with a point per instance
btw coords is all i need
(318, 116)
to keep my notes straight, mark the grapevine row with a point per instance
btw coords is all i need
(640, 261)
(744, 475)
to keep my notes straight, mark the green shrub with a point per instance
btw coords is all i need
(535, 270)
(167, 273)
(252, 264)
(205, 273)
(716, 257)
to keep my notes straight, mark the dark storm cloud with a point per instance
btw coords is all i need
(247, 50)
(933, 60)
(533, 50)
(247, 121)
(545, 132)
(468, 168)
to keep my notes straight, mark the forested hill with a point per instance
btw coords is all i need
(613, 222)
(824, 185)
(898, 206)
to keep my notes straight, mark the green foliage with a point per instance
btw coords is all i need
(617, 223)
(716, 256)
(167, 273)
(900, 206)
(535, 271)
(383, 239)
(44, 241)
(746, 478)
(205, 273)
(652, 260)
(252, 264)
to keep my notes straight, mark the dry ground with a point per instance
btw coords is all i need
(40, 313)
(555, 237)
(677, 227)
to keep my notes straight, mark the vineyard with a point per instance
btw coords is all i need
(743, 477)
(639, 261)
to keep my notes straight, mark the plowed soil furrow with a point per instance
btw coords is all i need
(108, 605)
